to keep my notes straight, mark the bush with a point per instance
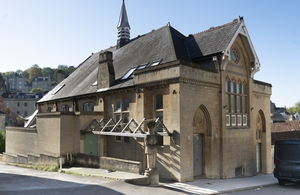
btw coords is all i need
(2, 141)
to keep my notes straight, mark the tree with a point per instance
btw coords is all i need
(67, 69)
(10, 74)
(4, 108)
(25, 74)
(34, 71)
(19, 72)
(36, 90)
(296, 108)
(47, 71)
(2, 82)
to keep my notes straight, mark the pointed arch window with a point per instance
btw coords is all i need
(236, 104)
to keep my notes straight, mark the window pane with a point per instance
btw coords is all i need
(243, 89)
(227, 103)
(232, 87)
(126, 104)
(237, 88)
(227, 86)
(86, 107)
(227, 120)
(238, 104)
(117, 117)
(239, 120)
(159, 115)
(243, 104)
(233, 120)
(126, 118)
(284, 152)
(232, 104)
(159, 102)
(244, 120)
(118, 106)
(296, 153)
(91, 106)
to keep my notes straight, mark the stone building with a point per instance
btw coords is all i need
(21, 84)
(23, 104)
(213, 117)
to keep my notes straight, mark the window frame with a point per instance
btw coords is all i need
(88, 107)
(236, 104)
(159, 113)
(122, 110)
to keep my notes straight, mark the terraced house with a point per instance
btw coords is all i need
(213, 117)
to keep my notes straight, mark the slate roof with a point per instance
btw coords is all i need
(165, 44)
(213, 40)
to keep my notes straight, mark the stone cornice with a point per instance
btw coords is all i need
(178, 80)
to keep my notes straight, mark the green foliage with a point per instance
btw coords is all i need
(19, 72)
(34, 71)
(48, 168)
(36, 90)
(296, 108)
(2, 82)
(10, 74)
(4, 108)
(47, 71)
(25, 74)
(67, 69)
(2, 141)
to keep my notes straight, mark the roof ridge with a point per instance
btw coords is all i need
(218, 27)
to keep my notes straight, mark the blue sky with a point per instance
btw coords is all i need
(54, 32)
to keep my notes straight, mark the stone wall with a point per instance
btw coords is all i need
(120, 165)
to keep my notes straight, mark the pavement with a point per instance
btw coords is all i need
(199, 186)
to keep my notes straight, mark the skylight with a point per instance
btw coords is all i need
(58, 88)
(155, 63)
(142, 66)
(128, 74)
(95, 84)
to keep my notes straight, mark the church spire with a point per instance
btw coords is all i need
(123, 28)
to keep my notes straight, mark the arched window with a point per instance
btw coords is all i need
(88, 107)
(65, 108)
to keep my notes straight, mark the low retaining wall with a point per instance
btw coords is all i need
(108, 163)
(84, 160)
(42, 159)
(121, 165)
(87, 160)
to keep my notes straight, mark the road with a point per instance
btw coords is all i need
(288, 189)
(16, 180)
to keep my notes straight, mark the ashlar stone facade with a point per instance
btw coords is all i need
(202, 90)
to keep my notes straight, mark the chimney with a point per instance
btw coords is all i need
(106, 72)
(60, 76)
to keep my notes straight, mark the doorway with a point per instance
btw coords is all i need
(258, 157)
(91, 144)
(198, 154)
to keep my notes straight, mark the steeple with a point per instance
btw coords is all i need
(123, 28)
